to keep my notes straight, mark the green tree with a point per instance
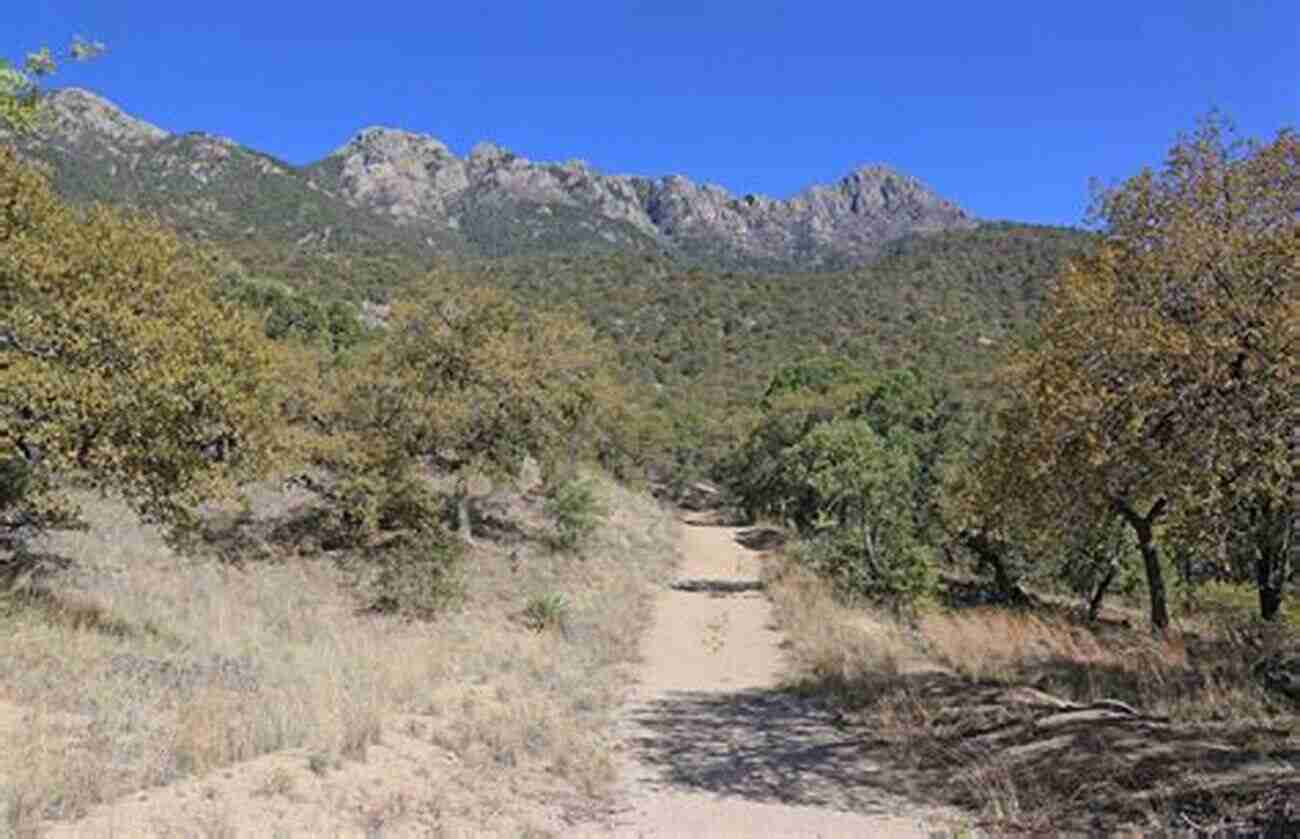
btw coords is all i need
(853, 461)
(20, 85)
(467, 383)
(871, 544)
(118, 369)
(1162, 386)
(799, 397)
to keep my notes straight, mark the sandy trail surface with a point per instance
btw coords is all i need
(715, 748)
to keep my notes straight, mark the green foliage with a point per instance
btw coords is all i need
(546, 611)
(851, 459)
(16, 476)
(1163, 383)
(865, 536)
(20, 87)
(118, 370)
(463, 382)
(903, 582)
(575, 511)
(333, 326)
(1098, 560)
(706, 342)
(371, 499)
(820, 375)
(1236, 604)
(416, 573)
(18, 97)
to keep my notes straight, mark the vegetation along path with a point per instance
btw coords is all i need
(714, 747)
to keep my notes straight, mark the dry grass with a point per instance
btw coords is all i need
(144, 667)
(976, 704)
(1189, 677)
(835, 648)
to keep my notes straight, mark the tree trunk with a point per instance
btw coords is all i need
(1272, 562)
(1270, 601)
(463, 525)
(1270, 535)
(1142, 528)
(1094, 603)
(988, 553)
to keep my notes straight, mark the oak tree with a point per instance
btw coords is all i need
(466, 382)
(118, 369)
(1162, 385)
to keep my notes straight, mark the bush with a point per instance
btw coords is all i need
(546, 611)
(574, 511)
(900, 581)
(417, 574)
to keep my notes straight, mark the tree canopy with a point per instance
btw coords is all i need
(20, 85)
(1162, 384)
(118, 368)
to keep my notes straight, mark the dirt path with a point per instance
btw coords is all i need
(714, 748)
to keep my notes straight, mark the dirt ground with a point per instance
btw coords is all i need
(713, 746)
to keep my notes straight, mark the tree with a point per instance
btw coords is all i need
(852, 460)
(860, 479)
(118, 369)
(20, 87)
(1162, 385)
(799, 397)
(466, 382)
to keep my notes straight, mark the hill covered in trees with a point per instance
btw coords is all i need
(703, 294)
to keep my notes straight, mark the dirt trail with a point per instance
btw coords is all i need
(714, 748)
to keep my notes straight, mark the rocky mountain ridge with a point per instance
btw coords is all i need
(417, 179)
(391, 187)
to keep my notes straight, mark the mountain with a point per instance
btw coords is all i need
(506, 204)
(703, 293)
(391, 194)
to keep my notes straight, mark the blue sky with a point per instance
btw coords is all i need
(1008, 108)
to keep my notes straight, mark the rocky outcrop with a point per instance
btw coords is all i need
(75, 114)
(404, 187)
(417, 180)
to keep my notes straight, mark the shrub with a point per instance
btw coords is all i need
(415, 573)
(574, 511)
(546, 611)
(900, 580)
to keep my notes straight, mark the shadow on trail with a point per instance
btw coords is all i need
(761, 538)
(718, 586)
(766, 746)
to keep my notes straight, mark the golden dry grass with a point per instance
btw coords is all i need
(143, 667)
(960, 695)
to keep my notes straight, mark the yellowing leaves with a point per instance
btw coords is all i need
(116, 364)
(1166, 372)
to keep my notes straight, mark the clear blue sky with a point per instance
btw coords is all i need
(1006, 107)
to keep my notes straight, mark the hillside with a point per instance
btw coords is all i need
(408, 194)
(704, 294)
(944, 300)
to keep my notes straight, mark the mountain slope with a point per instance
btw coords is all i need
(406, 195)
(508, 204)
